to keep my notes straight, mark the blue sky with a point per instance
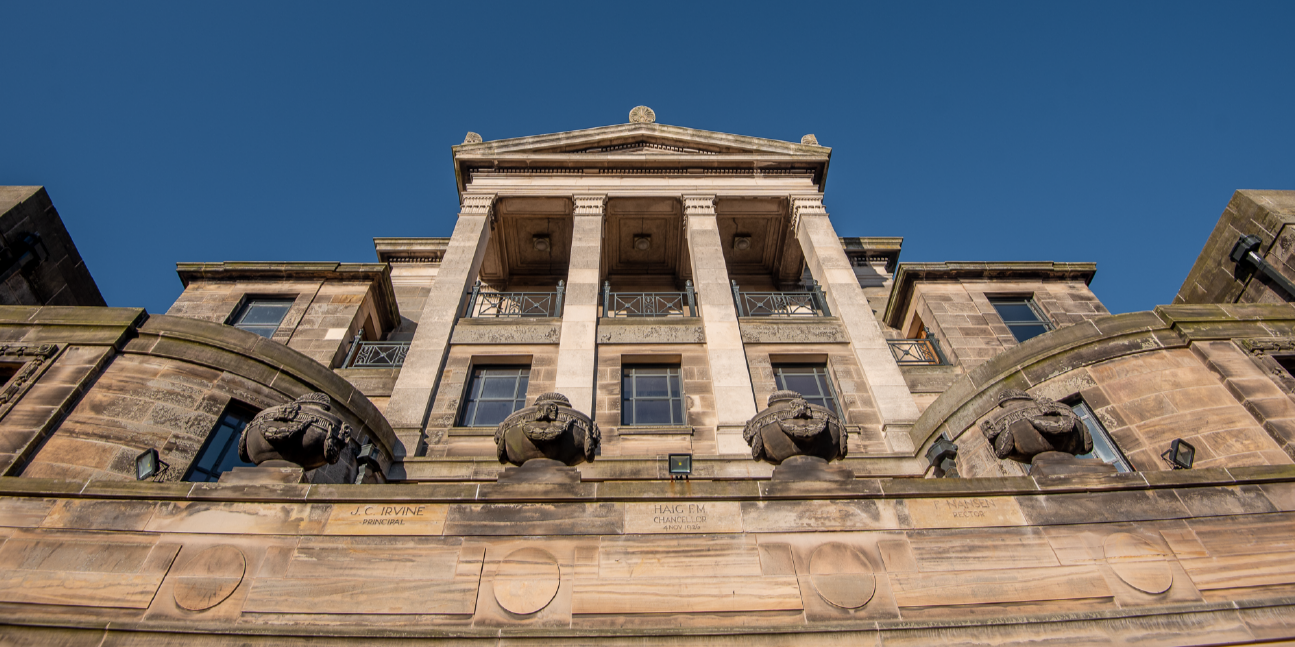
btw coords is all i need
(1106, 132)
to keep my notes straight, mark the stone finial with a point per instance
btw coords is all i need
(1039, 431)
(809, 140)
(551, 434)
(642, 115)
(303, 432)
(473, 138)
(803, 437)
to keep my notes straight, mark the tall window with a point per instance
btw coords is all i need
(1021, 316)
(262, 315)
(220, 453)
(494, 393)
(1103, 447)
(651, 395)
(809, 380)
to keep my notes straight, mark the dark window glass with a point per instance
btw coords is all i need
(262, 315)
(494, 393)
(1021, 317)
(1103, 447)
(220, 453)
(650, 395)
(1287, 362)
(810, 381)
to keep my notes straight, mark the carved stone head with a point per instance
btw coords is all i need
(304, 432)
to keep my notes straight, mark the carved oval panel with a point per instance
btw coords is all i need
(527, 580)
(842, 575)
(209, 578)
(1138, 563)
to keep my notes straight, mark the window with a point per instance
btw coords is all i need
(220, 453)
(1103, 447)
(1021, 316)
(494, 393)
(810, 381)
(262, 315)
(651, 395)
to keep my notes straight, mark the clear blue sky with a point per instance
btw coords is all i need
(1106, 132)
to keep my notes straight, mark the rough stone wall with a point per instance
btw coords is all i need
(968, 327)
(847, 379)
(1147, 400)
(140, 402)
(699, 405)
(216, 301)
(50, 391)
(453, 384)
(1214, 277)
(412, 282)
(1251, 381)
(62, 279)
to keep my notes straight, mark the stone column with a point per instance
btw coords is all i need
(577, 356)
(831, 268)
(729, 375)
(411, 398)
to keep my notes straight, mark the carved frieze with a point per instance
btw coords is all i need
(663, 332)
(35, 360)
(469, 331)
(792, 331)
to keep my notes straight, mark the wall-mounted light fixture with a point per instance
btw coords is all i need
(148, 465)
(368, 462)
(541, 242)
(942, 456)
(742, 242)
(1245, 251)
(680, 466)
(1180, 454)
(642, 242)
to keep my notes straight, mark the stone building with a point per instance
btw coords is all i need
(944, 453)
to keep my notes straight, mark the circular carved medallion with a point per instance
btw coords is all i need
(526, 581)
(1138, 563)
(209, 578)
(642, 115)
(842, 575)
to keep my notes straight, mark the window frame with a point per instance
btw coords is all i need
(1100, 436)
(1028, 300)
(469, 385)
(234, 408)
(249, 300)
(678, 403)
(832, 392)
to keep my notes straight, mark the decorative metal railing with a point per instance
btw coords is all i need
(514, 304)
(376, 354)
(916, 351)
(781, 304)
(649, 304)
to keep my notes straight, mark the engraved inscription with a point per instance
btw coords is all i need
(680, 517)
(386, 519)
(965, 512)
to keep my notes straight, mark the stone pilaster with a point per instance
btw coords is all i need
(729, 375)
(577, 347)
(831, 268)
(411, 398)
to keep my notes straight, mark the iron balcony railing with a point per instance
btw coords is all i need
(514, 304)
(649, 304)
(781, 304)
(376, 354)
(916, 351)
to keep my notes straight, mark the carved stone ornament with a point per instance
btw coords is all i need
(472, 138)
(809, 140)
(303, 432)
(550, 433)
(35, 359)
(1042, 432)
(642, 115)
(799, 436)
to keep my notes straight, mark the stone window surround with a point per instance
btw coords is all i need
(1042, 311)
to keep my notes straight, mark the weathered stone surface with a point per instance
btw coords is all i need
(541, 330)
(818, 330)
(654, 330)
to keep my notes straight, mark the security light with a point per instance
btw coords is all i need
(1180, 454)
(148, 465)
(680, 466)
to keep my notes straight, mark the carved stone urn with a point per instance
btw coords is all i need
(546, 440)
(303, 433)
(1043, 433)
(799, 437)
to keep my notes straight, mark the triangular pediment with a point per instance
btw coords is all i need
(640, 139)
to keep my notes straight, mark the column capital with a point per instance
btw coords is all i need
(804, 205)
(477, 204)
(589, 204)
(699, 205)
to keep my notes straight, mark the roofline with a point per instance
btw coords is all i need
(908, 274)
